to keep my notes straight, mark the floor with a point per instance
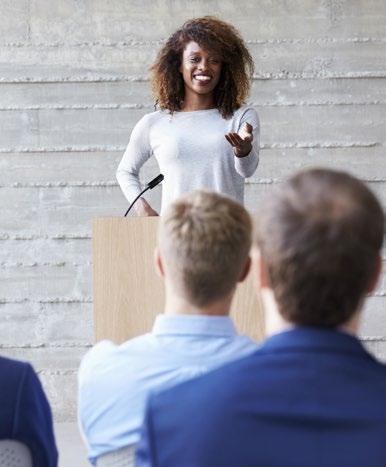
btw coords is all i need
(72, 452)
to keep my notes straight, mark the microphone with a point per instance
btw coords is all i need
(158, 179)
(153, 183)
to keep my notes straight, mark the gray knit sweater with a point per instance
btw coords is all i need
(192, 153)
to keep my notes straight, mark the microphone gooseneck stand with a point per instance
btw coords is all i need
(149, 186)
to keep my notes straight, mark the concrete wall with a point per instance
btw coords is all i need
(74, 81)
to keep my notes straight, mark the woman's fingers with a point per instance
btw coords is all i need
(227, 137)
(239, 139)
(248, 127)
(234, 139)
(246, 132)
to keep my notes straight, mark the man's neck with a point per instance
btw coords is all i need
(275, 323)
(178, 305)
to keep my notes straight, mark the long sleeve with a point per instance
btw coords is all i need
(145, 456)
(246, 166)
(33, 421)
(137, 153)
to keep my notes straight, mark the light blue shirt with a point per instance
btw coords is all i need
(114, 381)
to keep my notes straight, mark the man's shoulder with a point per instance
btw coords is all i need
(105, 352)
(19, 375)
(10, 366)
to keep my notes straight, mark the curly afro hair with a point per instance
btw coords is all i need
(214, 35)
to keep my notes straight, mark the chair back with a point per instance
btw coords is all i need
(124, 457)
(14, 454)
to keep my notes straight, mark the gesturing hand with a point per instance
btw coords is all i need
(241, 141)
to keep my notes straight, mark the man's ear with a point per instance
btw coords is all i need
(159, 267)
(245, 270)
(376, 275)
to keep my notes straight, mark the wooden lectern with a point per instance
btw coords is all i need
(128, 293)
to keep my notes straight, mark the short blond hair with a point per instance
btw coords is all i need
(205, 240)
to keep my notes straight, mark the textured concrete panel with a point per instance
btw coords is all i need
(74, 81)
(84, 21)
(35, 324)
(373, 323)
(365, 163)
(45, 283)
(14, 21)
(78, 95)
(76, 252)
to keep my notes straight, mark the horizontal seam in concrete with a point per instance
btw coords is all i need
(132, 43)
(373, 338)
(283, 75)
(57, 372)
(323, 74)
(60, 237)
(112, 184)
(4, 301)
(74, 79)
(45, 345)
(306, 144)
(381, 293)
(20, 264)
(77, 107)
(151, 106)
(271, 181)
(72, 184)
(30, 149)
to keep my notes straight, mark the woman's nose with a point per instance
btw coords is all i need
(203, 65)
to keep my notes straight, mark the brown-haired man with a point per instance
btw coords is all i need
(311, 395)
(203, 251)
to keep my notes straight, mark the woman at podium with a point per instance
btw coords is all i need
(202, 135)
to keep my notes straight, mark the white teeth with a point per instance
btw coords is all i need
(203, 77)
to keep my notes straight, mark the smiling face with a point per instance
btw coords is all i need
(201, 70)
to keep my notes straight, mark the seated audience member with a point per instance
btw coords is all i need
(203, 251)
(311, 395)
(25, 414)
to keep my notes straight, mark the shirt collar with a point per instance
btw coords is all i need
(313, 338)
(193, 325)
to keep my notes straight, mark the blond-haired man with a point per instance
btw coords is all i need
(203, 251)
